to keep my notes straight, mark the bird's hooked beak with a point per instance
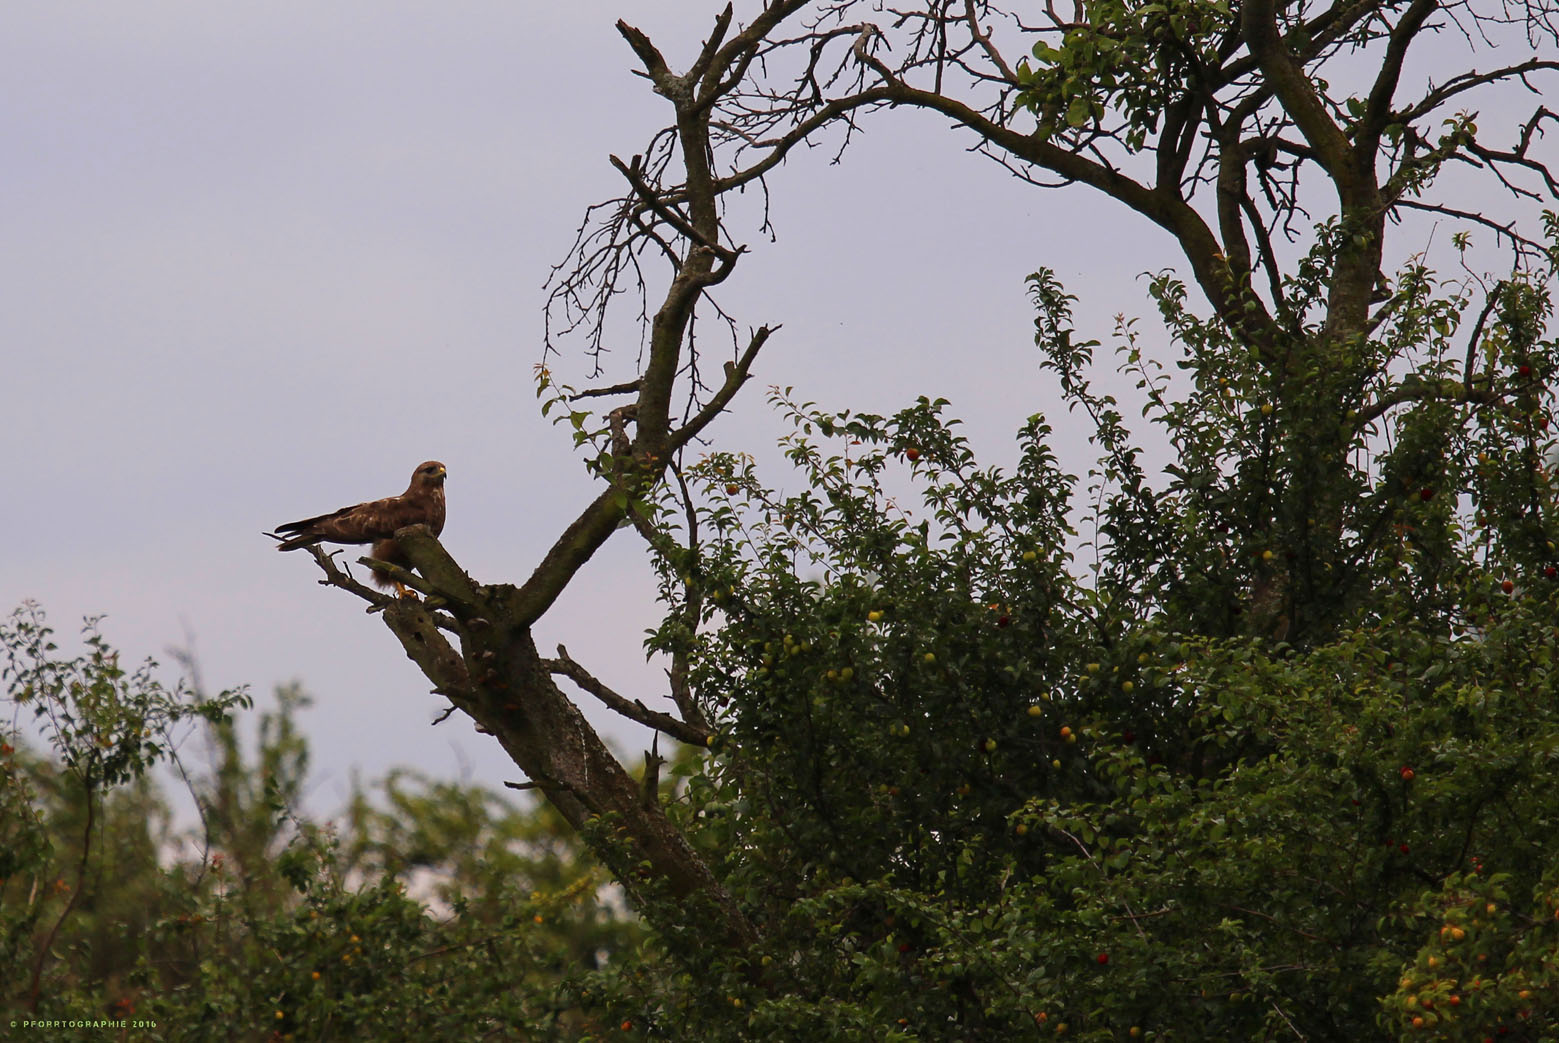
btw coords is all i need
(441, 472)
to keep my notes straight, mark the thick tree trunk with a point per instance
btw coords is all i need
(498, 679)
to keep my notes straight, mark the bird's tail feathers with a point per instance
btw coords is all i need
(285, 543)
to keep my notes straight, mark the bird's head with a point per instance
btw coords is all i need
(429, 475)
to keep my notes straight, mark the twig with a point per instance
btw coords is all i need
(692, 612)
(626, 388)
(75, 894)
(1131, 914)
(337, 577)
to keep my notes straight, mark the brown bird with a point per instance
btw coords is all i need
(376, 522)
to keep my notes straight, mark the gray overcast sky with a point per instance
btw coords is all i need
(259, 260)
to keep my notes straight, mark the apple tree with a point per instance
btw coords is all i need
(1231, 777)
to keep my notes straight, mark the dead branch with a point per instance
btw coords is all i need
(736, 375)
(633, 709)
(626, 388)
(652, 765)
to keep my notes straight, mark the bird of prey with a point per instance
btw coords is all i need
(376, 521)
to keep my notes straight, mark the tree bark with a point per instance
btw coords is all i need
(497, 678)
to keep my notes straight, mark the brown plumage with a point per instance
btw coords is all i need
(376, 521)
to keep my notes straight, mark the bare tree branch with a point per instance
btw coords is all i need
(633, 709)
(1447, 390)
(626, 388)
(736, 375)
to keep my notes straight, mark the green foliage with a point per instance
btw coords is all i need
(1252, 745)
(108, 727)
(352, 959)
(1229, 774)
(1133, 57)
(437, 912)
(1289, 509)
(106, 724)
